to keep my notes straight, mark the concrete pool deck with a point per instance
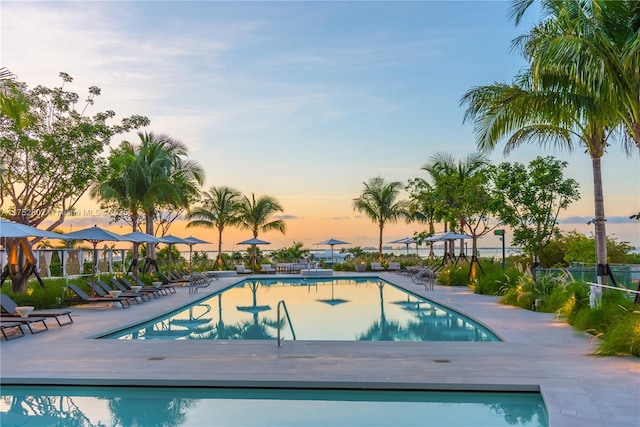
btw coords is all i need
(540, 352)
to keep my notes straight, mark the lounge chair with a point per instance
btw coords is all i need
(128, 284)
(167, 280)
(164, 289)
(168, 287)
(150, 291)
(267, 268)
(28, 322)
(10, 305)
(139, 297)
(394, 266)
(241, 269)
(14, 329)
(376, 266)
(82, 296)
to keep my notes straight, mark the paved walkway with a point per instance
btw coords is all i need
(539, 353)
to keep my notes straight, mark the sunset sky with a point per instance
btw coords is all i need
(303, 101)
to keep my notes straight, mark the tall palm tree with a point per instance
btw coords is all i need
(123, 190)
(597, 40)
(556, 102)
(171, 179)
(219, 209)
(379, 202)
(256, 215)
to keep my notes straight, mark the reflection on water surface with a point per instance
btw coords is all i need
(320, 309)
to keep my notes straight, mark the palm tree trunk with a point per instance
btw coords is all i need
(136, 247)
(600, 230)
(219, 259)
(381, 225)
(151, 247)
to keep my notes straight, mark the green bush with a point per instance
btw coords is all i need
(623, 337)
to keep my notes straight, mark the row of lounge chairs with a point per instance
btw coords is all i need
(13, 325)
(393, 266)
(130, 292)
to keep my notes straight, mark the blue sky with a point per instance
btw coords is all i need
(303, 101)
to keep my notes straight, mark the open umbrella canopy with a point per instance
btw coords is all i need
(140, 237)
(170, 239)
(10, 229)
(95, 234)
(195, 241)
(332, 242)
(449, 235)
(254, 241)
(407, 241)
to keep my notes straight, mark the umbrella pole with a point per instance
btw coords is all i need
(169, 261)
(190, 266)
(93, 270)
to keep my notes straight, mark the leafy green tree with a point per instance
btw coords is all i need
(423, 209)
(379, 202)
(572, 246)
(529, 199)
(256, 215)
(559, 100)
(51, 153)
(462, 196)
(219, 209)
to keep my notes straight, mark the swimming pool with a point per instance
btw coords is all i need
(364, 309)
(136, 406)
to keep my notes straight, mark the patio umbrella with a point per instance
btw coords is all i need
(14, 230)
(94, 235)
(447, 236)
(193, 241)
(253, 242)
(140, 237)
(332, 242)
(170, 240)
(407, 241)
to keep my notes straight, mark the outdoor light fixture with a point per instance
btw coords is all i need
(591, 221)
(636, 217)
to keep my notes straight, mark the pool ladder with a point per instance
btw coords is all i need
(286, 312)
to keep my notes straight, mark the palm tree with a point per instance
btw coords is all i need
(219, 209)
(256, 216)
(122, 192)
(378, 202)
(556, 102)
(171, 180)
(598, 41)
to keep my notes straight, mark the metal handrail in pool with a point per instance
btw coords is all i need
(286, 312)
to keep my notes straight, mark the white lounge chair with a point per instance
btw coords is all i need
(394, 266)
(376, 266)
(241, 269)
(267, 268)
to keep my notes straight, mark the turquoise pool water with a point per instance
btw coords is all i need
(118, 406)
(320, 309)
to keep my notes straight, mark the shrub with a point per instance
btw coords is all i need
(622, 338)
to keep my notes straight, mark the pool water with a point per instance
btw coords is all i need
(136, 406)
(320, 309)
